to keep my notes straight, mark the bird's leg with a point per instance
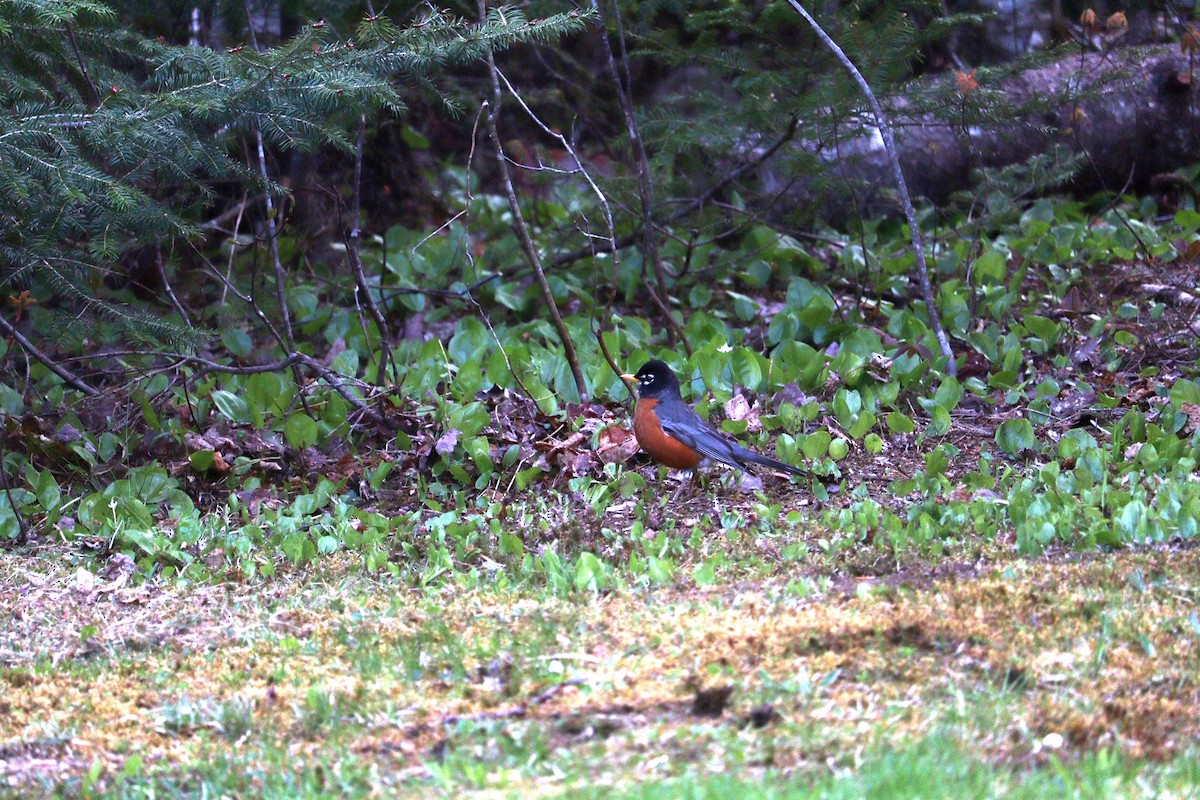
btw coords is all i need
(688, 483)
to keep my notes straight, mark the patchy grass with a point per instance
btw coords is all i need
(995, 672)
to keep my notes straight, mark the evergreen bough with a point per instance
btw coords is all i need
(110, 141)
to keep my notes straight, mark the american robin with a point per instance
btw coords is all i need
(673, 434)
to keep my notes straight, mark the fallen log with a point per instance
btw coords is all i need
(1133, 114)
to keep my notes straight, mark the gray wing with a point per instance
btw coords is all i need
(683, 423)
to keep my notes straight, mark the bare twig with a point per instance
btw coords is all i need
(353, 253)
(692, 204)
(281, 297)
(650, 252)
(87, 78)
(46, 360)
(608, 221)
(285, 316)
(470, 290)
(910, 213)
(166, 282)
(522, 229)
(233, 212)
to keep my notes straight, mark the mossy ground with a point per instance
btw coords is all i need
(395, 689)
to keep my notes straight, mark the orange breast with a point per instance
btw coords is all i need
(663, 448)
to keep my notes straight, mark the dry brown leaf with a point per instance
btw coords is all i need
(615, 445)
(1192, 412)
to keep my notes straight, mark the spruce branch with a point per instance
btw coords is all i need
(910, 213)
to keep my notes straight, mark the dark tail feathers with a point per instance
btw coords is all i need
(766, 461)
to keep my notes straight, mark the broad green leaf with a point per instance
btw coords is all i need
(949, 393)
(862, 425)
(816, 444)
(300, 431)
(237, 341)
(232, 407)
(1015, 435)
(1074, 442)
(202, 460)
(939, 421)
(747, 369)
(1046, 329)
(989, 268)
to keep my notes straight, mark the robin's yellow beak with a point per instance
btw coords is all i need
(630, 378)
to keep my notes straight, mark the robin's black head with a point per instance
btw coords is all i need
(655, 379)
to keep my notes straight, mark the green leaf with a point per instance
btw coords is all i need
(1074, 442)
(1015, 435)
(839, 449)
(237, 341)
(202, 460)
(413, 138)
(1185, 391)
(939, 422)
(10, 401)
(900, 423)
(45, 488)
(816, 444)
(301, 431)
(1043, 328)
(846, 405)
(479, 449)
(989, 268)
(949, 393)
(346, 363)
(589, 572)
(746, 368)
(862, 425)
(232, 407)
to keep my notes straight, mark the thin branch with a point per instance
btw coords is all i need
(87, 78)
(166, 282)
(522, 229)
(273, 247)
(354, 254)
(650, 252)
(910, 213)
(693, 204)
(608, 221)
(232, 212)
(273, 237)
(46, 360)
(469, 291)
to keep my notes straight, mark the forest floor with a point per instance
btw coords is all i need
(798, 663)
